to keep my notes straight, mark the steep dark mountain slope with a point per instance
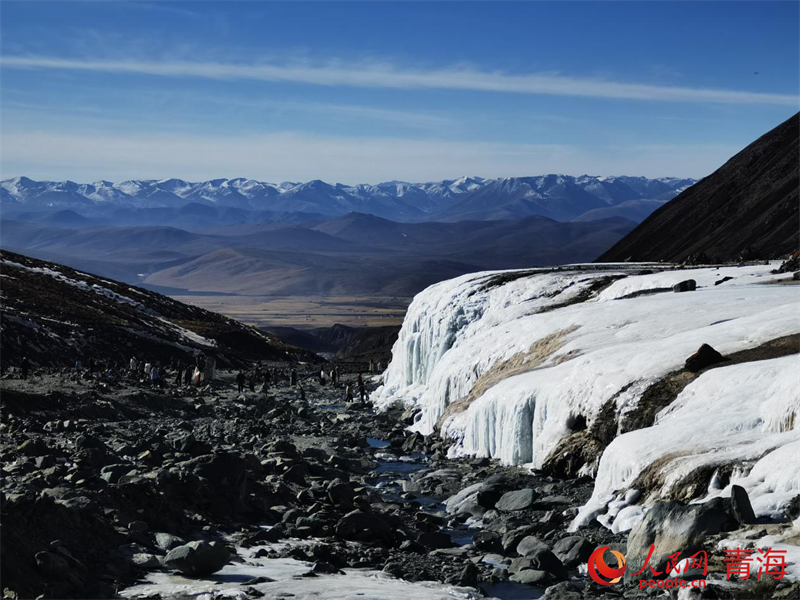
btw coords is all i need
(749, 202)
(54, 315)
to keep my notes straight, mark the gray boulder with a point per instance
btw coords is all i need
(741, 507)
(341, 494)
(531, 545)
(540, 556)
(197, 559)
(359, 525)
(573, 550)
(435, 539)
(52, 566)
(674, 527)
(566, 590)
(145, 561)
(688, 285)
(516, 500)
(167, 541)
(466, 501)
(532, 577)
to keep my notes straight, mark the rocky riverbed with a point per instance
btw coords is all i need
(112, 488)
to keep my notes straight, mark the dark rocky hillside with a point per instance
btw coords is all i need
(343, 343)
(54, 315)
(748, 208)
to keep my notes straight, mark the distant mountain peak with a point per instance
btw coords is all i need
(471, 197)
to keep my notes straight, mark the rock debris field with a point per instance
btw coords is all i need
(113, 489)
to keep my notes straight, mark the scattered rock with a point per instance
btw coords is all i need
(741, 507)
(198, 558)
(672, 527)
(516, 500)
(531, 577)
(167, 541)
(435, 539)
(359, 525)
(688, 285)
(566, 590)
(531, 545)
(146, 561)
(704, 357)
(573, 550)
(52, 565)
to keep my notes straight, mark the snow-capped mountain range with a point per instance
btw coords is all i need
(560, 197)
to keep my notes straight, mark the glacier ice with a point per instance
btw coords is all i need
(460, 337)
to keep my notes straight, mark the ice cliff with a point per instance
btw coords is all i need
(508, 364)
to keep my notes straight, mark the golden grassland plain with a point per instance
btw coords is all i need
(305, 312)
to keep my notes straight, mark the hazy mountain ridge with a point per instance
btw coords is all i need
(561, 197)
(351, 255)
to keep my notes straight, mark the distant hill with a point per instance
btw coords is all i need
(346, 344)
(356, 254)
(748, 206)
(54, 315)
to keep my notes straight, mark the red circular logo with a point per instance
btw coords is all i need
(598, 567)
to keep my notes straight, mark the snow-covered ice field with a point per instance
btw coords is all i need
(609, 348)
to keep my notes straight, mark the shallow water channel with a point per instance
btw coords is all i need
(394, 470)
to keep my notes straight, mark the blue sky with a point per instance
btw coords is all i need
(366, 92)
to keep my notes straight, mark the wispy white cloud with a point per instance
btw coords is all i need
(296, 156)
(411, 118)
(18, 114)
(171, 8)
(388, 75)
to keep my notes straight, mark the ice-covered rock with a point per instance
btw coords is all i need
(738, 414)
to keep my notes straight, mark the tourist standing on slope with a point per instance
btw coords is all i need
(266, 379)
(24, 367)
(240, 381)
(178, 374)
(155, 377)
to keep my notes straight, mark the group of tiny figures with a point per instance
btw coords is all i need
(204, 369)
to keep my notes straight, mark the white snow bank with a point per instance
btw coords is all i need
(456, 331)
(703, 278)
(611, 350)
(287, 575)
(743, 414)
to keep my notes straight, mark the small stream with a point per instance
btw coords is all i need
(393, 470)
